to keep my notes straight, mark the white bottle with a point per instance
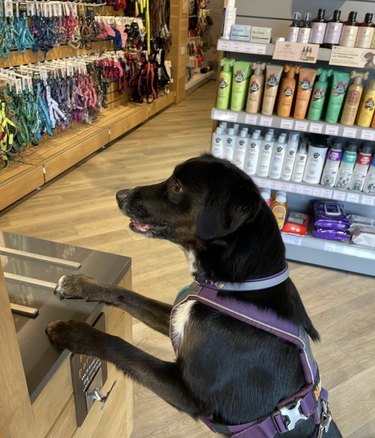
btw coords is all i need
(229, 145)
(217, 144)
(369, 185)
(241, 149)
(252, 155)
(290, 156)
(236, 128)
(300, 164)
(357, 181)
(265, 155)
(278, 156)
(294, 28)
(331, 167)
(346, 167)
(224, 127)
(316, 156)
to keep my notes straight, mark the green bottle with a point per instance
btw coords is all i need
(336, 98)
(241, 74)
(225, 84)
(319, 94)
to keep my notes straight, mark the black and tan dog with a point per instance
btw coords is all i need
(225, 370)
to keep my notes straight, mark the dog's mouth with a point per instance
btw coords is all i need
(147, 228)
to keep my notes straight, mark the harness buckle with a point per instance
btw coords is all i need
(292, 415)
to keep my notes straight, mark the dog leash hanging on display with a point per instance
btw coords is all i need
(311, 401)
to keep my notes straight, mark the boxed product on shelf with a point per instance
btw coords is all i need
(330, 221)
(362, 229)
(297, 223)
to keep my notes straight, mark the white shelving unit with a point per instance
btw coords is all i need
(307, 249)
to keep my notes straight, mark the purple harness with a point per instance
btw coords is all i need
(309, 401)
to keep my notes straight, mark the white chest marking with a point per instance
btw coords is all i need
(179, 320)
(192, 261)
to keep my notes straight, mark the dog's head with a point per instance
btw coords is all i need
(204, 199)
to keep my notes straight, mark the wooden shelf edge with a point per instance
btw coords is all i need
(39, 165)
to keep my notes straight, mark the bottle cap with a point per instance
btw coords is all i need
(256, 134)
(243, 133)
(231, 131)
(366, 148)
(352, 147)
(338, 144)
(266, 194)
(280, 197)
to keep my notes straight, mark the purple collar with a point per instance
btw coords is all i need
(249, 285)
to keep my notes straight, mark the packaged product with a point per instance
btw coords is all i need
(297, 223)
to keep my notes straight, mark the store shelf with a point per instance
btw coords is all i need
(315, 191)
(38, 165)
(365, 134)
(347, 257)
(198, 79)
(260, 49)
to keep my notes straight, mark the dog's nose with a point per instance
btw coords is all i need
(121, 197)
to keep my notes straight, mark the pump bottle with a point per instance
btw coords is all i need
(279, 208)
(229, 145)
(369, 185)
(349, 31)
(366, 32)
(305, 29)
(314, 164)
(353, 98)
(361, 167)
(252, 155)
(217, 145)
(300, 163)
(333, 32)
(225, 84)
(319, 95)
(278, 156)
(265, 155)
(346, 167)
(287, 89)
(241, 73)
(290, 156)
(254, 97)
(331, 167)
(294, 28)
(366, 110)
(241, 149)
(318, 28)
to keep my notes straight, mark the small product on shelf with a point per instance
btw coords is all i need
(333, 31)
(346, 166)
(353, 98)
(305, 29)
(229, 144)
(254, 97)
(278, 156)
(332, 164)
(318, 28)
(225, 83)
(279, 208)
(266, 195)
(294, 28)
(300, 163)
(361, 167)
(369, 185)
(240, 149)
(365, 32)
(304, 89)
(297, 223)
(287, 90)
(265, 154)
(349, 31)
(366, 110)
(252, 155)
(337, 94)
(273, 76)
(319, 94)
(290, 156)
(240, 80)
(330, 221)
(316, 155)
(362, 229)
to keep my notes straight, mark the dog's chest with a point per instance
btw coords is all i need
(178, 323)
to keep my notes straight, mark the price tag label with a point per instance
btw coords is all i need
(265, 121)
(301, 126)
(339, 195)
(368, 200)
(326, 193)
(231, 116)
(291, 239)
(352, 197)
(331, 130)
(251, 119)
(316, 128)
(286, 124)
(218, 114)
(258, 49)
(332, 247)
(366, 134)
(350, 132)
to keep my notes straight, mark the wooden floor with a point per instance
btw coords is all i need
(79, 208)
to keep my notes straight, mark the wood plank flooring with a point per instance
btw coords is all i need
(79, 208)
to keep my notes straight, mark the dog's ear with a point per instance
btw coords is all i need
(227, 208)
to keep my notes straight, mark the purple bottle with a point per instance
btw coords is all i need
(331, 167)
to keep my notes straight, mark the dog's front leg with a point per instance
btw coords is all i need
(163, 378)
(153, 313)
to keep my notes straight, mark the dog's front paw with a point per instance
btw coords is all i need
(75, 286)
(78, 337)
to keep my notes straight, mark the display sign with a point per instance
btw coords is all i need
(352, 57)
(296, 52)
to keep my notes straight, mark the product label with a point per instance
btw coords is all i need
(272, 81)
(288, 91)
(317, 32)
(304, 35)
(305, 84)
(293, 34)
(364, 37)
(254, 86)
(364, 160)
(238, 76)
(340, 88)
(333, 33)
(223, 83)
(348, 36)
(353, 98)
(369, 104)
(318, 94)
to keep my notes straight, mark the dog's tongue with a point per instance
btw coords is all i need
(142, 227)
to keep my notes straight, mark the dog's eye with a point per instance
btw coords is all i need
(176, 187)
